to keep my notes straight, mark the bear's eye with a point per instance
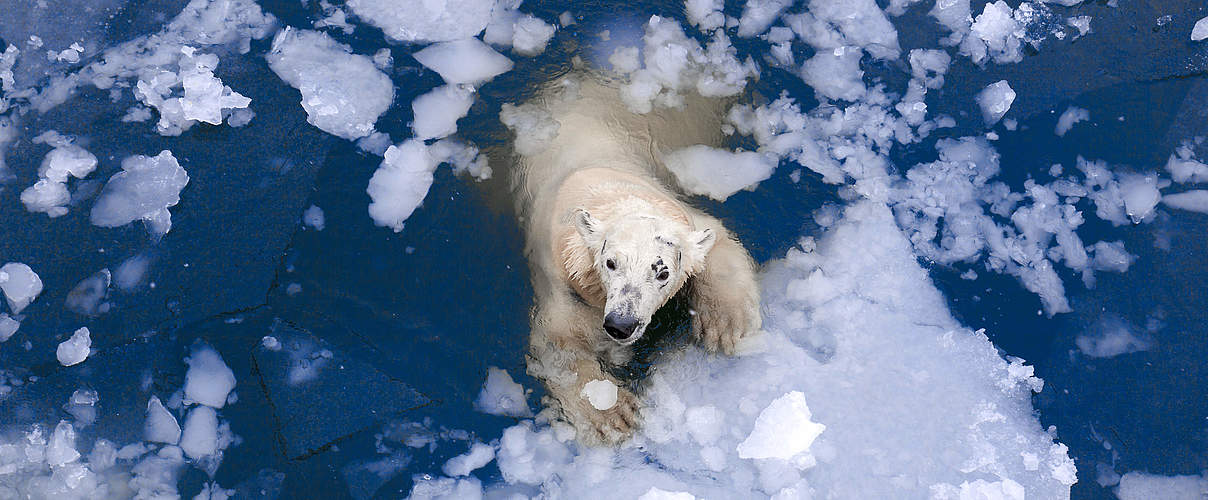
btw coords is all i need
(663, 275)
(611, 264)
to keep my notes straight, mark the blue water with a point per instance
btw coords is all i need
(418, 316)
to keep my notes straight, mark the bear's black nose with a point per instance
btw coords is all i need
(619, 327)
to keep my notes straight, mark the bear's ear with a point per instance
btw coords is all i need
(699, 243)
(587, 225)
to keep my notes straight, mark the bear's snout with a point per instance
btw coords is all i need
(619, 326)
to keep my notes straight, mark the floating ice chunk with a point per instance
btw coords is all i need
(654, 493)
(1183, 166)
(718, 173)
(464, 61)
(144, 190)
(1143, 486)
(343, 93)
(1069, 117)
(1141, 195)
(74, 350)
(783, 430)
(528, 456)
(208, 380)
(757, 15)
(1200, 30)
(199, 438)
(501, 395)
(313, 217)
(240, 117)
(203, 97)
(445, 488)
(439, 21)
(535, 127)
(1194, 201)
(462, 465)
(61, 450)
(20, 284)
(49, 194)
(980, 490)
(130, 273)
(160, 426)
(1080, 23)
(375, 143)
(8, 327)
(706, 15)
(502, 28)
(1110, 256)
(995, 100)
(530, 35)
(1000, 33)
(602, 394)
(832, 24)
(835, 74)
(82, 406)
(1109, 337)
(464, 158)
(88, 296)
(436, 113)
(400, 183)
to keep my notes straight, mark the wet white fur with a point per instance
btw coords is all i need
(601, 180)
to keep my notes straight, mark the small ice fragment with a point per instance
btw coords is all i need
(130, 273)
(49, 194)
(20, 284)
(74, 350)
(719, 173)
(501, 395)
(995, 100)
(602, 394)
(88, 296)
(144, 190)
(61, 449)
(271, 343)
(1200, 31)
(464, 61)
(782, 430)
(200, 435)
(160, 426)
(426, 21)
(1141, 195)
(436, 113)
(1068, 118)
(208, 380)
(530, 35)
(400, 183)
(654, 493)
(462, 465)
(8, 327)
(1194, 201)
(1109, 337)
(313, 217)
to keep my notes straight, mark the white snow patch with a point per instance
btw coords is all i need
(783, 430)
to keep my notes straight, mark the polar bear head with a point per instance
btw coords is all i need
(642, 260)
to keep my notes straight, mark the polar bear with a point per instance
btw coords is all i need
(609, 243)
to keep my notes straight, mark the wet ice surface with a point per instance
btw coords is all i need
(922, 271)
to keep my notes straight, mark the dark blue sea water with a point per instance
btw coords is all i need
(418, 316)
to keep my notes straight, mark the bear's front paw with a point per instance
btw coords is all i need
(609, 426)
(725, 331)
